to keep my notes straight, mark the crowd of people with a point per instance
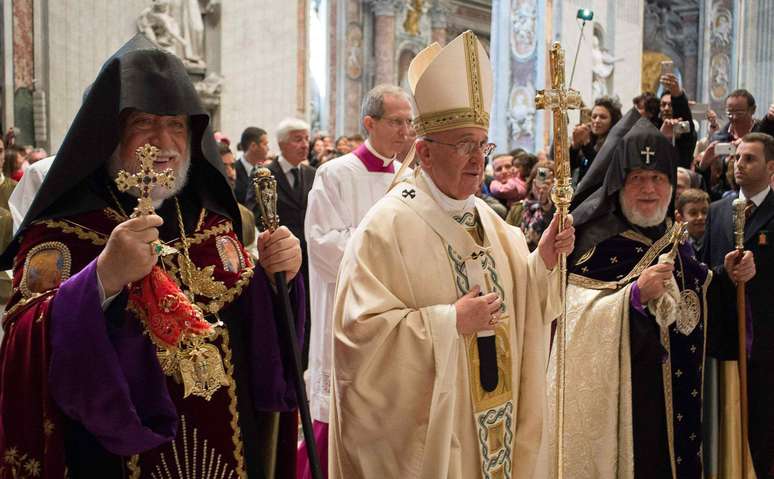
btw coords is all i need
(421, 261)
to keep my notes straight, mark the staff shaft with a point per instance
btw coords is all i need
(741, 313)
(287, 329)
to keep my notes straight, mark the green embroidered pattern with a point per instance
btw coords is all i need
(467, 220)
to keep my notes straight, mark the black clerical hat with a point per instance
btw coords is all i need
(142, 77)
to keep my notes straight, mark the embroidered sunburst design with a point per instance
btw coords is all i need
(19, 465)
(197, 459)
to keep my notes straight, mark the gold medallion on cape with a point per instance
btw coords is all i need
(198, 367)
(690, 311)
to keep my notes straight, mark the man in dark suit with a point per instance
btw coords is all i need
(294, 180)
(255, 147)
(753, 169)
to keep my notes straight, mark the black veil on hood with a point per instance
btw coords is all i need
(142, 77)
(633, 144)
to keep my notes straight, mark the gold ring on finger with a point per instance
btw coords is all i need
(156, 247)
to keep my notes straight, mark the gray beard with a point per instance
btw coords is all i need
(160, 193)
(638, 219)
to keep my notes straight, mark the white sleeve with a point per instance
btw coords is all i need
(328, 225)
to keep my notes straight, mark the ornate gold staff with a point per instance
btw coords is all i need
(559, 99)
(739, 206)
(266, 198)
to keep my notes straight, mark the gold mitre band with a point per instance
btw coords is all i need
(446, 99)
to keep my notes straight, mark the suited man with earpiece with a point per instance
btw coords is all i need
(255, 147)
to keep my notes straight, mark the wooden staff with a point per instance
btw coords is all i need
(266, 197)
(741, 315)
(559, 99)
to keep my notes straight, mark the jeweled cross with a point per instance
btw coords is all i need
(145, 180)
(648, 152)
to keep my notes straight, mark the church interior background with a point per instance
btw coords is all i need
(255, 62)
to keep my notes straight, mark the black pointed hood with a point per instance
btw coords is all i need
(636, 144)
(142, 77)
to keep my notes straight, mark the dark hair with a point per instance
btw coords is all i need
(516, 152)
(223, 148)
(691, 195)
(527, 159)
(649, 103)
(357, 137)
(9, 161)
(340, 139)
(747, 96)
(766, 140)
(252, 134)
(612, 106)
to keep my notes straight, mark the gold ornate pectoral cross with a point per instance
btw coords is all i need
(559, 100)
(145, 180)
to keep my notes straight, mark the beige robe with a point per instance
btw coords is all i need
(403, 403)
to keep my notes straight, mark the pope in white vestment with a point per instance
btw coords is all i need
(442, 314)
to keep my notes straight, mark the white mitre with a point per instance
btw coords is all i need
(452, 86)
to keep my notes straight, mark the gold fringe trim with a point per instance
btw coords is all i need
(81, 232)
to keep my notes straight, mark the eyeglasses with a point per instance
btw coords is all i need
(466, 148)
(396, 123)
(736, 113)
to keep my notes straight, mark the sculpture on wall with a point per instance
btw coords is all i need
(177, 26)
(523, 28)
(354, 67)
(602, 66)
(413, 16)
(521, 113)
(157, 23)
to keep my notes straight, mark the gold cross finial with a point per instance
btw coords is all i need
(559, 100)
(145, 180)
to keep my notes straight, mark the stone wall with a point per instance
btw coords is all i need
(78, 36)
(259, 64)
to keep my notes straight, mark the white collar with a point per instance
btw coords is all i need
(248, 166)
(385, 161)
(448, 204)
(284, 164)
(758, 198)
(2, 177)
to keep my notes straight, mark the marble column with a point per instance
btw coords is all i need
(7, 54)
(755, 53)
(438, 23)
(384, 39)
(719, 78)
(23, 67)
(518, 60)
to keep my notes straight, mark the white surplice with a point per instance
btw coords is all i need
(342, 193)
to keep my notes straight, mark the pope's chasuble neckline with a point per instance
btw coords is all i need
(476, 264)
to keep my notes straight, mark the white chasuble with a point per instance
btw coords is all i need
(407, 399)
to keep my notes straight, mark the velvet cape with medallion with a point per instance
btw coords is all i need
(82, 388)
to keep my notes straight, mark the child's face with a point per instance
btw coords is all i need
(696, 216)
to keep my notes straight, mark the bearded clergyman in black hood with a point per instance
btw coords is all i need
(102, 378)
(636, 319)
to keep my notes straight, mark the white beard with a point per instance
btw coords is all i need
(160, 193)
(638, 219)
